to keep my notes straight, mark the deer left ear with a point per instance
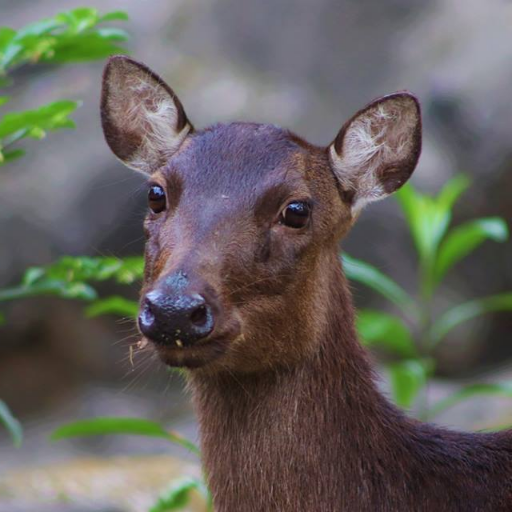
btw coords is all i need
(376, 151)
(143, 120)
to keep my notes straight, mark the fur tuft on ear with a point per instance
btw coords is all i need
(376, 151)
(143, 120)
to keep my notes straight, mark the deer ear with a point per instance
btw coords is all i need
(143, 120)
(376, 151)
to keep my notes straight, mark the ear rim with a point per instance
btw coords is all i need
(407, 166)
(109, 127)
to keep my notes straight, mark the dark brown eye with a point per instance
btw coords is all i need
(295, 215)
(156, 199)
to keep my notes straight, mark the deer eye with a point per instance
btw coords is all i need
(156, 199)
(295, 215)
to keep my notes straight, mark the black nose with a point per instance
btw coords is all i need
(178, 319)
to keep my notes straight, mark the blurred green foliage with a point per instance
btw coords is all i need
(72, 36)
(127, 426)
(71, 278)
(412, 336)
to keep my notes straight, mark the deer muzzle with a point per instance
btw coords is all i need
(176, 314)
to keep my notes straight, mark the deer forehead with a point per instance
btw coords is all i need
(239, 160)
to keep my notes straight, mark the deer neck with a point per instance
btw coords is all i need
(267, 439)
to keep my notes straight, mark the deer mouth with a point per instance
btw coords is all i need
(193, 356)
(177, 353)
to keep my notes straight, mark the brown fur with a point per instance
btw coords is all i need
(290, 417)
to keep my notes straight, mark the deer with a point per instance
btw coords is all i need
(244, 290)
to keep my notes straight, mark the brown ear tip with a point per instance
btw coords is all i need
(122, 61)
(406, 96)
(116, 59)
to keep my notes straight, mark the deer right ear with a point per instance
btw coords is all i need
(377, 150)
(143, 120)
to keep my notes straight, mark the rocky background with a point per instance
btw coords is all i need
(297, 63)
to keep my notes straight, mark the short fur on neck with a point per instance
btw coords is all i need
(321, 437)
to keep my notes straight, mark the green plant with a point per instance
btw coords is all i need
(412, 336)
(72, 36)
(73, 278)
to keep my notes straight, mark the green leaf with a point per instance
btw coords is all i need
(501, 389)
(459, 314)
(9, 156)
(12, 425)
(464, 239)
(113, 34)
(429, 217)
(55, 287)
(70, 36)
(69, 277)
(114, 16)
(452, 191)
(380, 329)
(28, 43)
(106, 426)
(415, 207)
(357, 270)
(6, 36)
(86, 47)
(38, 28)
(4, 100)
(177, 496)
(78, 20)
(114, 305)
(33, 274)
(407, 379)
(121, 426)
(48, 117)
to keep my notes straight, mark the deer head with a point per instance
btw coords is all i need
(245, 219)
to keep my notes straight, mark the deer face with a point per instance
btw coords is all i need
(244, 219)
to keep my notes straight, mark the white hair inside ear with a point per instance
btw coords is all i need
(154, 114)
(377, 150)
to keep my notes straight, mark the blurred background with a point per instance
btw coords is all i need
(296, 63)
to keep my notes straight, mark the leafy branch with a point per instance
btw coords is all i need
(71, 36)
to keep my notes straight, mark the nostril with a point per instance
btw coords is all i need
(146, 317)
(199, 315)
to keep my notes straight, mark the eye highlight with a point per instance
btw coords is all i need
(156, 199)
(295, 215)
